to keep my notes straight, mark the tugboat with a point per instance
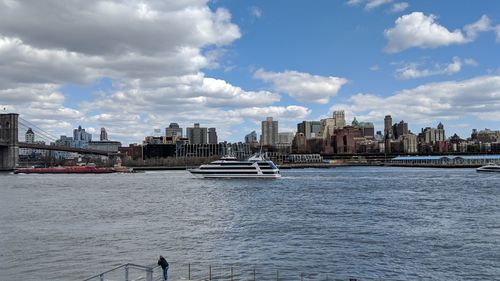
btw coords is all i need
(230, 167)
(118, 168)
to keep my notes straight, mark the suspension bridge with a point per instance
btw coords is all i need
(12, 128)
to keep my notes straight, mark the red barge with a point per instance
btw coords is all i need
(66, 170)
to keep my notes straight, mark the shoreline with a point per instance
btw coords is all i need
(318, 166)
(434, 166)
(285, 166)
(305, 166)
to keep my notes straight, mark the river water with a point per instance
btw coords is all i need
(371, 223)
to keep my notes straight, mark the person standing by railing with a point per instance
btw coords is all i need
(164, 265)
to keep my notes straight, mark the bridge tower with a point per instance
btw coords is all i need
(9, 142)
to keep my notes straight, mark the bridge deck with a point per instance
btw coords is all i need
(62, 148)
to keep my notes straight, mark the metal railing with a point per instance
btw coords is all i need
(129, 272)
(254, 273)
(197, 272)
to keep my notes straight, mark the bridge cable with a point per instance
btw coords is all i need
(44, 134)
(38, 129)
(40, 135)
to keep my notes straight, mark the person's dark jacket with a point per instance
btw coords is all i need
(162, 262)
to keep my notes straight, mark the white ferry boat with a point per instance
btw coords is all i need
(230, 167)
(489, 168)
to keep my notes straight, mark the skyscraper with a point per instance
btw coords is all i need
(367, 128)
(81, 138)
(269, 132)
(285, 138)
(409, 143)
(251, 138)
(339, 117)
(80, 135)
(388, 133)
(400, 129)
(173, 131)
(311, 129)
(212, 136)
(432, 135)
(329, 125)
(29, 137)
(440, 132)
(104, 134)
(197, 134)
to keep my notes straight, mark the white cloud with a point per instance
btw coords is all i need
(154, 52)
(41, 104)
(492, 71)
(452, 100)
(303, 86)
(224, 94)
(255, 12)
(412, 71)
(453, 67)
(47, 43)
(21, 63)
(419, 30)
(188, 92)
(354, 2)
(141, 105)
(482, 25)
(118, 27)
(376, 3)
(23, 94)
(470, 61)
(399, 7)
(497, 30)
(277, 112)
(38, 101)
(370, 4)
(489, 116)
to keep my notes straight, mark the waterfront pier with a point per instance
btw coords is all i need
(446, 161)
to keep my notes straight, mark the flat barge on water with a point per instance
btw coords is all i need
(74, 170)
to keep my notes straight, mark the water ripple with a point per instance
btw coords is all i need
(364, 222)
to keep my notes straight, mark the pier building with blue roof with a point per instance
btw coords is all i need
(445, 160)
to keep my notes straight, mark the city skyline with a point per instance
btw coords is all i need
(141, 66)
(182, 133)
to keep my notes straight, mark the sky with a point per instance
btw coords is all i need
(133, 66)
